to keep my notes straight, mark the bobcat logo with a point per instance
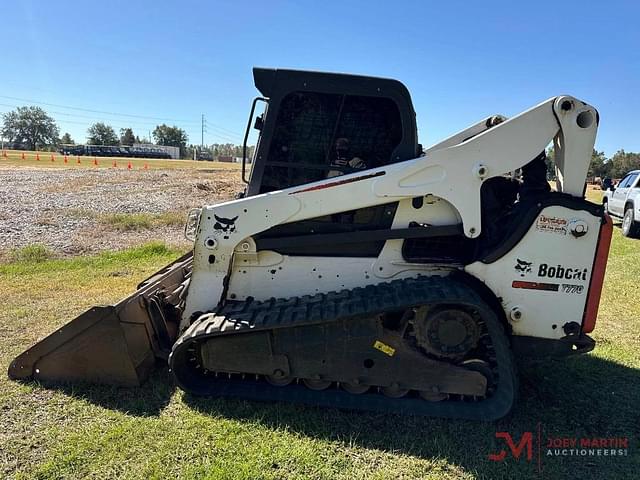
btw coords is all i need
(523, 267)
(226, 225)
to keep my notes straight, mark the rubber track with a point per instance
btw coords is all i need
(238, 317)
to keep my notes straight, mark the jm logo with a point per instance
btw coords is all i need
(516, 450)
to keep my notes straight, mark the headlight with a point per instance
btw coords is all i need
(191, 227)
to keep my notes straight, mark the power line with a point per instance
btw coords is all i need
(224, 132)
(93, 118)
(96, 111)
(218, 127)
(116, 114)
(120, 123)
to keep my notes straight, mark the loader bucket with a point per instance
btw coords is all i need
(116, 344)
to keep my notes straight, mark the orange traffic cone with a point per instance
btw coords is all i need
(52, 158)
(38, 157)
(78, 159)
(22, 156)
(129, 167)
(146, 167)
(95, 161)
(66, 160)
(115, 164)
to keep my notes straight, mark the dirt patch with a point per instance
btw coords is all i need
(62, 208)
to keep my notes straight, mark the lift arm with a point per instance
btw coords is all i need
(453, 170)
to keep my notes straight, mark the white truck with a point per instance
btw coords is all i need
(623, 201)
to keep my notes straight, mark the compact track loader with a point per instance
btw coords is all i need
(359, 270)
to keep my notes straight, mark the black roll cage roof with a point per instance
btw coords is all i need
(276, 84)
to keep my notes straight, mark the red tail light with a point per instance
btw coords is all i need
(597, 276)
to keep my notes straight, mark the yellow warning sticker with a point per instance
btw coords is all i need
(384, 348)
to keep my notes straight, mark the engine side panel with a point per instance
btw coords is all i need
(543, 281)
(265, 274)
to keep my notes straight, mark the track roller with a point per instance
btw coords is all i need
(394, 391)
(316, 384)
(354, 388)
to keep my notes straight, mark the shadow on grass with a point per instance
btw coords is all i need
(145, 401)
(584, 396)
(576, 397)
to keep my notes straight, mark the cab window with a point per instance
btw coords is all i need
(628, 180)
(321, 135)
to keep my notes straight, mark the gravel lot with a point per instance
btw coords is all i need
(64, 209)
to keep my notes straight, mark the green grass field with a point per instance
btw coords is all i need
(14, 159)
(141, 221)
(157, 431)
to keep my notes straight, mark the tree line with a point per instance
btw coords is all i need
(616, 166)
(34, 129)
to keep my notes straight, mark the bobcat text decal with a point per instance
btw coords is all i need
(544, 270)
(558, 271)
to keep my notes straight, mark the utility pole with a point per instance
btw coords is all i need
(203, 122)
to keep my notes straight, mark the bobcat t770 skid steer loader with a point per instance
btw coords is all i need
(359, 271)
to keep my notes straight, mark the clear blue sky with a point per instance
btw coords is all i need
(461, 60)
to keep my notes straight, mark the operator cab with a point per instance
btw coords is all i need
(320, 125)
